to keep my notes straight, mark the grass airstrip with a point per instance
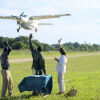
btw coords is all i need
(83, 73)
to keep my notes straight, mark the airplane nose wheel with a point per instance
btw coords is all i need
(17, 30)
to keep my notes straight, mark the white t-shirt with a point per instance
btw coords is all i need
(61, 65)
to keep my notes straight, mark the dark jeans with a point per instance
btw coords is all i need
(38, 72)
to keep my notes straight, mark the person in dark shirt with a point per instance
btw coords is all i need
(5, 71)
(38, 65)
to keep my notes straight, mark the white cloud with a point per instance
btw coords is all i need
(8, 12)
(81, 28)
(88, 3)
(46, 10)
(31, 7)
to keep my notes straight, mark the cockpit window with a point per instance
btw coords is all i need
(24, 15)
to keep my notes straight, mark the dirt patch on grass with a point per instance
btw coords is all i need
(19, 60)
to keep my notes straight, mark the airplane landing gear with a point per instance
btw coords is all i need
(18, 29)
(36, 30)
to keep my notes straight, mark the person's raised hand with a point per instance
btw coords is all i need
(30, 36)
(59, 40)
(55, 58)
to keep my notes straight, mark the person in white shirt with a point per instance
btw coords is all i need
(61, 68)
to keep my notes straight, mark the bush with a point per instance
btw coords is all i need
(18, 45)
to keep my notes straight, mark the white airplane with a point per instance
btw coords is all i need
(30, 22)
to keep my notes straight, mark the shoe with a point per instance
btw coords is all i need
(2, 96)
(60, 93)
(10, 94)
(45, 96)
(33, 94)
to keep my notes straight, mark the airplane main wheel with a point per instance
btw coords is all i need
(17, 30)
(36, 30)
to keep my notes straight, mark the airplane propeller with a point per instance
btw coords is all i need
(18, 23)
(21, 15)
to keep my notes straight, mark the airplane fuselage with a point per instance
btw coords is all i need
(27, 23)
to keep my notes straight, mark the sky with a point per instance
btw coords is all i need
(82, 26)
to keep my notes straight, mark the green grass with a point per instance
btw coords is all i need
(27, 54)
(83, 73)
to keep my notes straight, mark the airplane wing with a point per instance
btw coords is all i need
(47, 16)
(45, 24)
(8, 17)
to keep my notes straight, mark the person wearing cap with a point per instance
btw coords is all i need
(38, 65)
(5, 71)
(61, 68)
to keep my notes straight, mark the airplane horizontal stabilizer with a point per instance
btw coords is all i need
(45, 24)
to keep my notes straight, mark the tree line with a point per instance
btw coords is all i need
(22, 42)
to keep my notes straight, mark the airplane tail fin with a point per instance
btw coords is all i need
(45, 24)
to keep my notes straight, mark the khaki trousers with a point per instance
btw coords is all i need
(6, 83)
(34, 71)
(61, 82)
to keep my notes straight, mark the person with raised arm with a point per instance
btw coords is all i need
(38, 65)
(61, 68)
(5, 71)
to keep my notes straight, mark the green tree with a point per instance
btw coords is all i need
(18, 45)
(84, 47)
